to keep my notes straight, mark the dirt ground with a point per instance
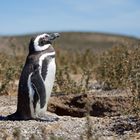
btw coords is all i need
(98, 115)
(97, 104)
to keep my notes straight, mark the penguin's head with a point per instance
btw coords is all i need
(42, 42)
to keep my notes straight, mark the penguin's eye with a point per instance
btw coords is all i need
(42, 42)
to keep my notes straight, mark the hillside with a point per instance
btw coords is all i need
(71, 41)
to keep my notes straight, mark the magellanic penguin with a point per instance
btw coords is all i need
(37, 78)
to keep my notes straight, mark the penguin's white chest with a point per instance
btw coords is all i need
(50, 72)
(50, 77)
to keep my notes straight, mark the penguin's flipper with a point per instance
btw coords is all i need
(38, 86)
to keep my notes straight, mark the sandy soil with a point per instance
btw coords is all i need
(107, 125)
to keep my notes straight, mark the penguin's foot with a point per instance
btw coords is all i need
(48, 118)
(17, 117)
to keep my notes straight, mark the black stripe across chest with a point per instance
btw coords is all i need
(45, 64)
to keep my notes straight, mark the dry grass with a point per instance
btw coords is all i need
(120, 68)
(10, 68)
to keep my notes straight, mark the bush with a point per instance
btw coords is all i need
(120, 68)
(10, 68)
(66, 84)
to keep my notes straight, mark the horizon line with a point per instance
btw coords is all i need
(69, 31)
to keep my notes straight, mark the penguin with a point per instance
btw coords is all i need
(37, 79)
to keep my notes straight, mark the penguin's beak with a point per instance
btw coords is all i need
(53, 36)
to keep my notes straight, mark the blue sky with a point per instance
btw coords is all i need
(29, 16)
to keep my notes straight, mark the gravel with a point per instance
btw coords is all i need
(67, 127)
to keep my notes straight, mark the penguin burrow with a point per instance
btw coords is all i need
(37, 79)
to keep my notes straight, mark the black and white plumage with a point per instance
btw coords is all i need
(37, 78)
